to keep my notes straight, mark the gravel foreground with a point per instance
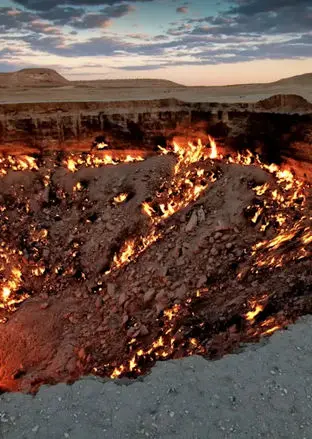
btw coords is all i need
(263, 392)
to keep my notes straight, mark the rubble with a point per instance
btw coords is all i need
(93, 285)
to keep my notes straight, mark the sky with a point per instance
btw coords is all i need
(194, 42)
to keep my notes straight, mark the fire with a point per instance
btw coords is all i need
(256, 309)
(19, 163)
(73, 162)
(161, 348)
(77, 187)
(71, 165)
(283, 238)
(214, 152)
(11, 284)
(132, 249)
(127, 251)
(188, 182)
(121, 198)
(101, 145)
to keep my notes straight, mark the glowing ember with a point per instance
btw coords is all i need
(101, 145)
(74, 162)
(120, 198)
(256, 309)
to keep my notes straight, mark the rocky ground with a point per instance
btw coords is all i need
(106, 270)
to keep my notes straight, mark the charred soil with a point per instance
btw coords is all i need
(107, 267)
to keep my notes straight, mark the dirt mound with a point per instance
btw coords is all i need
(285, 103)
(33, 78)
(106, 269)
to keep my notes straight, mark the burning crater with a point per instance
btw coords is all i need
(113, 260)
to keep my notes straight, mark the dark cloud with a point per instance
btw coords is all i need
(100, 46)
(266, 17)
(10, 19)
(47, 5)
(182, 10)
(252, 7)
(103, 18)
(62, 15)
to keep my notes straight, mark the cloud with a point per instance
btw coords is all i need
(103, 18)
(9, 20)
(251, 17)
(142, 68)
(62, 15)
(182, 10)
(252, 7)
(246, 30)
(47, 5)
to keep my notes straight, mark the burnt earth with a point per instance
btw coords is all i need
(187, 293)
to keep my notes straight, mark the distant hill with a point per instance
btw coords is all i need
(32, 78)
(305, 79)
(128, 83)
(35, 78)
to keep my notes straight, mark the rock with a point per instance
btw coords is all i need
(201, 215)
(45, 195)
(214, 251)
(122, 298)
(243, 273)
(46, 253)
(180, 261)
(110, 227)
(111, 288)
(149, 295)
(229, 245)
(180, 292)
(163, 270)
(98, 302)
(44, 305)
(133, 332)
(82, 354)
(201, 281)
(226, 237)
(161, 301)
(218, 235)
(192, 223)
(143, 330)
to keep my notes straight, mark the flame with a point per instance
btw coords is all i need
(71, 165)
(187, 184)
(77, 187)
(73, 162)
(256, 309)
(101, 145)
(19, 163)
(127, 251)
(121, 198)
(214, 152)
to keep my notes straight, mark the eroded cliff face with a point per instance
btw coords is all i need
(272, 132)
